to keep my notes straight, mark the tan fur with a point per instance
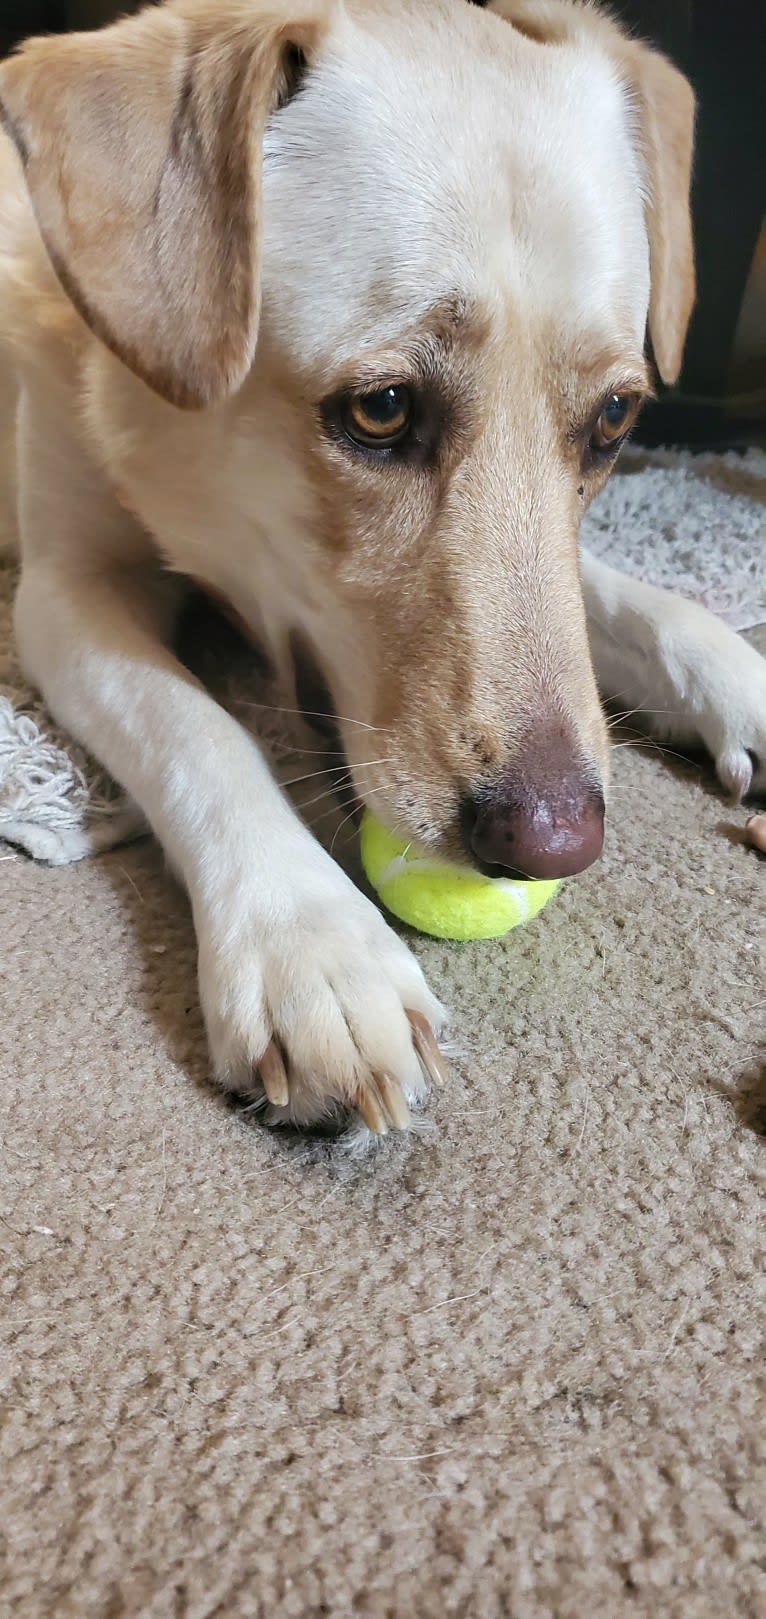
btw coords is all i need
(451, 658)
(213, 74)
(155, 238)
(383, 226)
(462, 681)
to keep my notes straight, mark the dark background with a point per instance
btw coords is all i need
(720, 400)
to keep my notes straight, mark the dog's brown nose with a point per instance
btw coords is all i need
(552, 831)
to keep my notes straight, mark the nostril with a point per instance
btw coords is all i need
(536, 837)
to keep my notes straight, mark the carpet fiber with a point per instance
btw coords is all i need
(507, 1366)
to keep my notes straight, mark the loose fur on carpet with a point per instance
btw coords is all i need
(508, 1367)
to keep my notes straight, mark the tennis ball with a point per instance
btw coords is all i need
(443, 900)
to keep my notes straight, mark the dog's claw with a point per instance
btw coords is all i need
(393, 1100)
(368, 1106)
(755, 830)
(273, 1077)
(424, 1041)
(735, 773)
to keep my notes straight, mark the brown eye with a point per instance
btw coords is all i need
(378, 420)
(617, 416)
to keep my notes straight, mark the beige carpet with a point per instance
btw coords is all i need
(508, 1366)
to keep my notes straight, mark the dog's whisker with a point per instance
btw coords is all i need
(621, 719)
(359, 803)
(344, 822)
(360, 797)
(315, 714)
(651, 745)
(320, 753)
(329, 792)
(312, 775)
(614, 696)
(384, 787)
(314, 822)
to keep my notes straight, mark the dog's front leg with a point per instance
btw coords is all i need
(289, 950)
(294, 962)
(684, 673)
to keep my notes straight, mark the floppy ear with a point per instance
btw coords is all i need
(141, 145)
(663, 105)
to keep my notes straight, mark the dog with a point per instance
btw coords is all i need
(344, 310)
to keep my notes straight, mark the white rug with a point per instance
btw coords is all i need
(692, 523)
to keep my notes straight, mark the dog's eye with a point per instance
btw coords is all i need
(618, 414)
(378, 420)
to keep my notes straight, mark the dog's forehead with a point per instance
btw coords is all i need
(431, 160)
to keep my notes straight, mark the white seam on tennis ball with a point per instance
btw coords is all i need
(402, 863)
(518, 892)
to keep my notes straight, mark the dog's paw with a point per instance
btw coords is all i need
(319, 1010)
(720, 682)
(733, 718)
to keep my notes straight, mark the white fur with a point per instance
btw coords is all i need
(407, 169)
(683, 671)
(471, 177)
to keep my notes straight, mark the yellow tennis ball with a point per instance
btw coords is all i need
(443, 900)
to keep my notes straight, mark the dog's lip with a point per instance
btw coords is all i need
(312, 691)
(324, 724)
(489, 868)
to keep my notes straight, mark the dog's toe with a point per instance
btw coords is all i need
(327, 1018)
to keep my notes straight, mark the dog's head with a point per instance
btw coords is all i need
(420, 246)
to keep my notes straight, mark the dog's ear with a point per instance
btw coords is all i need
(662, 103)
(141, 145)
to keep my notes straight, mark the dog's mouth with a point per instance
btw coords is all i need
(312, 693)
